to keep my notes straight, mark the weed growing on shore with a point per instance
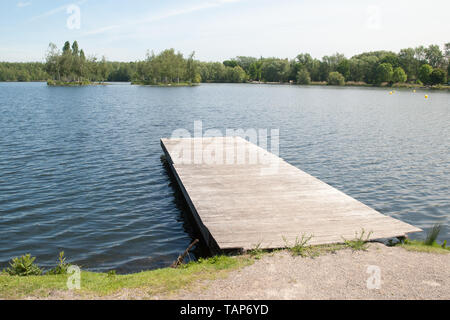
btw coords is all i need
(432, 234)
(360, 242)
(256, 252)
(301, 247)
(429, 245)
(62, 266)
(23, 266)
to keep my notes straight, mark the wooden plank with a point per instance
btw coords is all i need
(242, 196)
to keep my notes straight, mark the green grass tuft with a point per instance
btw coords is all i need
(256, 252)
(62, 266)
(360, 241)
(433, 234)
(300, 246)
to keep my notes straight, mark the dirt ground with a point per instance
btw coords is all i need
(381, 272)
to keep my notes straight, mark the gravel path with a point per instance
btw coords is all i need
(342, 275)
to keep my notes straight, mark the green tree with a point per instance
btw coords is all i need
(23, 76)
(75, 49)
(102, 70)
(65, 62)
(82, 64)
(230, 63)
(344, 68)
(255, 70)
(420, 54)
(66, 48)
(425, 73)
(391, 58)
(303, 77)
(438, 76)
(191, 67)
(336, 79)
(409, 63)
(275, 70)
(52, 65)
(245, 62)
(399, 75)
(434, 56)
(359, 68)
(76, 63)
(384, 73)
(236, 74)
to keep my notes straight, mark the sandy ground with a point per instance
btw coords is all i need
(379, 273)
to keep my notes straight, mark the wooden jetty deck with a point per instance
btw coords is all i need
(240, 203)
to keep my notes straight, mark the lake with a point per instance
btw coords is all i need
(81, 170)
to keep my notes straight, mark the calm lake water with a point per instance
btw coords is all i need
(80, 168)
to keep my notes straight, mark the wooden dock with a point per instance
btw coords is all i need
(239, 203)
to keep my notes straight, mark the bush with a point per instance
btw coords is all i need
(303, 77)
(62, 266)
(384, 73)
(425, 73)
(23, 266)
(336, 79)
(399, 75)
(438, 76)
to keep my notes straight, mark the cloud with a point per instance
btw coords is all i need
(162, 16)
(23, 4)
(56, 10)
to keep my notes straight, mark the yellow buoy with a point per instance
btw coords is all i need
(426, 96)
(390, 92)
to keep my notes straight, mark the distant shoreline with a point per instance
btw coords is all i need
(170, 84)
(58, 83)
(324, 84)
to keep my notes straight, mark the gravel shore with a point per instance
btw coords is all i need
(381, 272)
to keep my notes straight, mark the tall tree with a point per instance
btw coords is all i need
(399, 75)
(434, 56)
(425, 73)
(384, 73)
(409, 63)
(52, 65)
(438, 76)
(191, 67)
(75, 50)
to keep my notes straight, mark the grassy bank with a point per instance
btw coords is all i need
(164, 282)
(420, 246)
(151, 283)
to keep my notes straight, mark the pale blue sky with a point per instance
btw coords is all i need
(220, 29)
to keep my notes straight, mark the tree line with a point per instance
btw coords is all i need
(421, 65)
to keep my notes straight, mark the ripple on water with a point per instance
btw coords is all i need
(80, 170)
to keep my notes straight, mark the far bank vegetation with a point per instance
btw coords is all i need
(410, 67)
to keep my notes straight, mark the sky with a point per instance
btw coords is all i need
(220, 29)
